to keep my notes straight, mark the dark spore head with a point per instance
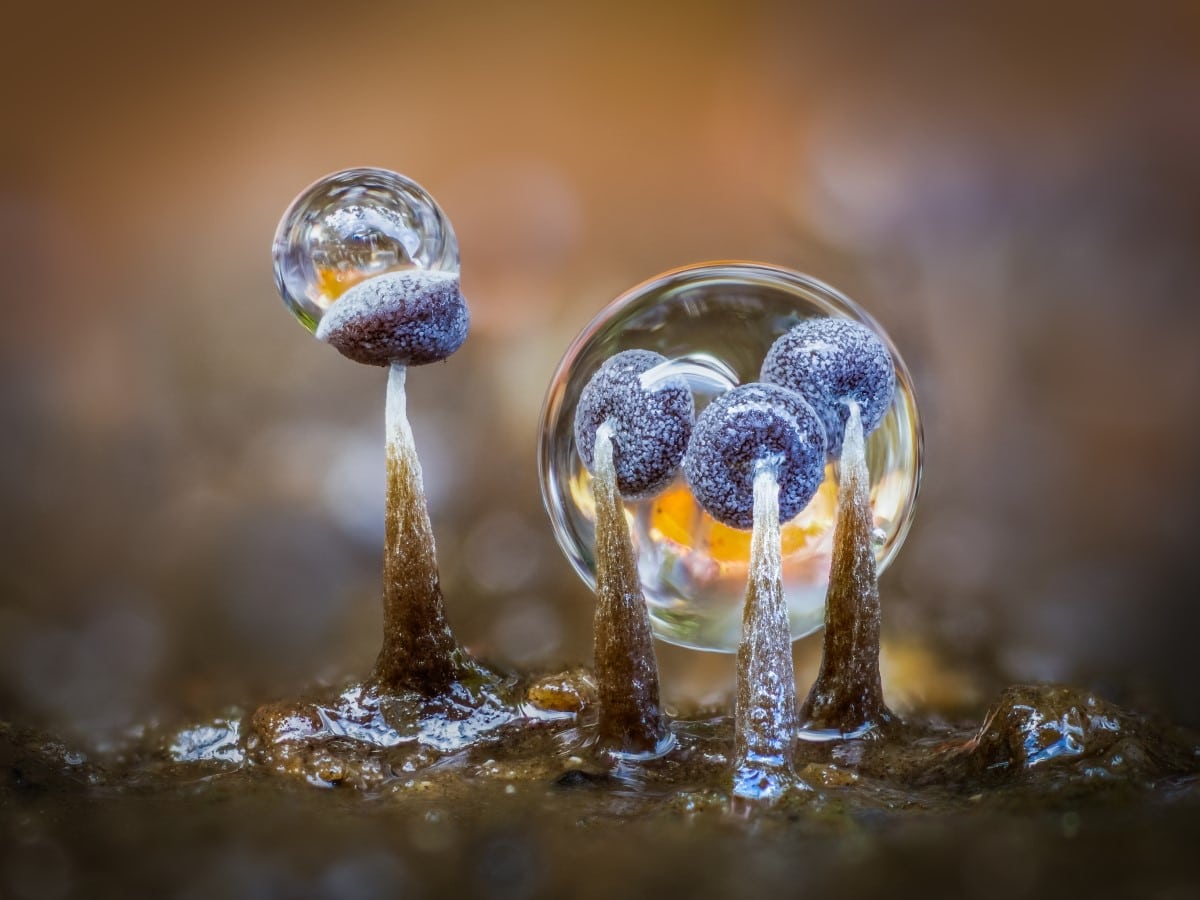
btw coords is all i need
(412, 317)
(749, 426)
(830, 362)
(651, 423)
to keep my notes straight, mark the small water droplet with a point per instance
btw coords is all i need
(351, 226)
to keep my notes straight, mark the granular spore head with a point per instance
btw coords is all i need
(651, 424)
(830, 362)
(749, 426)
(411, 317)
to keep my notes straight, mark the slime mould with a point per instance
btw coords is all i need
(419, 652)
(743, 429)
(631, 719)
(757, 457)
(632, 438)
(765, 705)
(650, 425)
(411, 318)
(403, 308)
(753, 460)
(847, 696)
(433, 724)
(832, 363)
(848, 375)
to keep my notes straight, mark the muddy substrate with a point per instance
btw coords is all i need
(1056, 793)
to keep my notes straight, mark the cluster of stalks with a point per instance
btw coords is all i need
(847, 698)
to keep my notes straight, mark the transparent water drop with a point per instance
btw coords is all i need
(351, 226)
(715, 323)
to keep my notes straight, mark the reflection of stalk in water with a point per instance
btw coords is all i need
(626, 669)
(765, 712)
(419, 651)
(847, 697)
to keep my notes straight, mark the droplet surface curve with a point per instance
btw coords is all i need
(715, 323)
(351, 226)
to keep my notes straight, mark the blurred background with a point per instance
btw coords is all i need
(191, 486)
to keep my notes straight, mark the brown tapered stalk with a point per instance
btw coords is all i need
(419, 651)
(631, 719)
(848, 694)
(765, 708)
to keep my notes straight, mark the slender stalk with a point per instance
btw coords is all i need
(848, 694)
(765, 708)
(419, 651)
(631, 720)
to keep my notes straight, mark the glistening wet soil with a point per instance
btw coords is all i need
(1056, 792)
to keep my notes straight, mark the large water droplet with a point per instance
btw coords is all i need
(351, 226)
(715, 323)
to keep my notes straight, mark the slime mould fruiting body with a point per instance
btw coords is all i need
(757, 457)
(847, 697)
(402, 319)
(408, 318)
(650, 424)
(390, 253)
(632, 437)
(764, 723)
(419, 652)
(848, 375)
(830, 363)
(752, 426)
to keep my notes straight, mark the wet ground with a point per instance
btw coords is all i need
(1056, 791)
